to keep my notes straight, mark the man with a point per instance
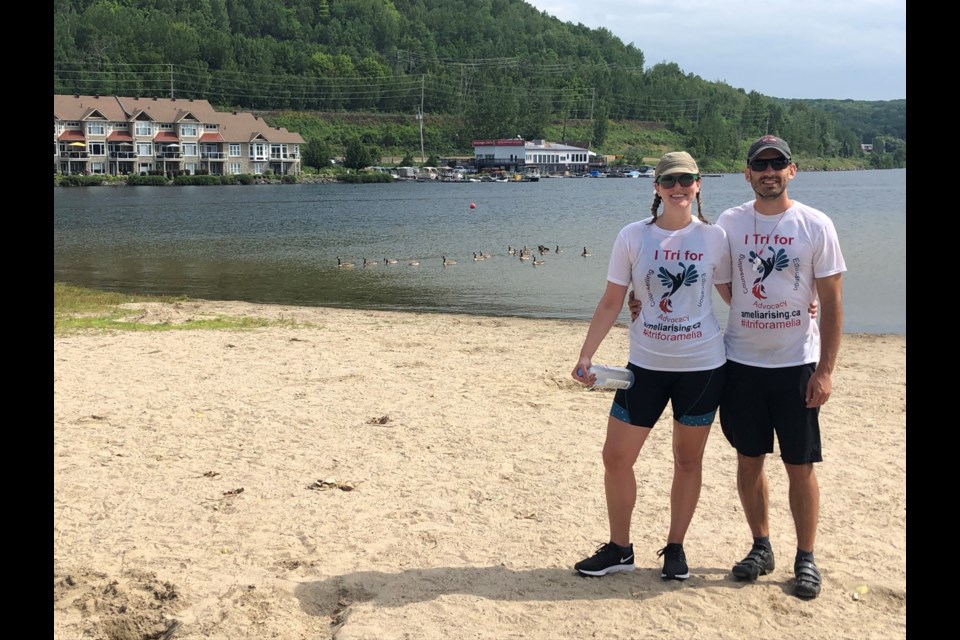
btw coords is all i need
(779, 360)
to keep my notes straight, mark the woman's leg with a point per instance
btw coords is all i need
(689, 444)
(620, 451)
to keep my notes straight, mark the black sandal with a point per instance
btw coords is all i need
(808, 579)
(759, 562)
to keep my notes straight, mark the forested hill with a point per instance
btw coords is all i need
(501, 67)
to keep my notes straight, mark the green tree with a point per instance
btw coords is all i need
(357, 155)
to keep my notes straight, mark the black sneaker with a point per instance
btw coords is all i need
(674, 562)
(759, 562)
(609, 558)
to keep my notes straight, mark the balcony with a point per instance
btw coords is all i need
(74, 154)
(169, 155)
(213, 155)
(120, 155)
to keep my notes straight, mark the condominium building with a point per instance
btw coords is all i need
(120, 136)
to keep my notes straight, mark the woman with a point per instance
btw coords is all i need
(672, 260)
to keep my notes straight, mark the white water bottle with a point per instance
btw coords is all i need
(612, 377)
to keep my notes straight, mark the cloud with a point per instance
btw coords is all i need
(838, 49)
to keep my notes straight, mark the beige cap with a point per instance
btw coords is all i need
(676, 162)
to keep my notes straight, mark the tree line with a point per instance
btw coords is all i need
(488, 68)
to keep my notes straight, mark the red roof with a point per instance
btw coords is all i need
(72, 135)
(166, 136)
(119, 136)
(211, 137)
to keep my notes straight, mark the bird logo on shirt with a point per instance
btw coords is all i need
(684, 278)
(777, 262)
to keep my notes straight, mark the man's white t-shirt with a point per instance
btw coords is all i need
(673, 275)
(769, 323)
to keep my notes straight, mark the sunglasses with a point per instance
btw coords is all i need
(778, 164)
(685, 180)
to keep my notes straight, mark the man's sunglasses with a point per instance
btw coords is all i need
(685, 180)
(778, 164)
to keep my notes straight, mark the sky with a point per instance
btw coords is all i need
(837, 49)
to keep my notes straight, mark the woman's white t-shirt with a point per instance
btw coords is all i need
(673, 275)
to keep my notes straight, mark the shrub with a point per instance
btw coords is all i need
(151, 180)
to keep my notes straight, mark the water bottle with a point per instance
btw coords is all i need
(612, 377)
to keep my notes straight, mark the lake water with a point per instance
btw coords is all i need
(280, 243)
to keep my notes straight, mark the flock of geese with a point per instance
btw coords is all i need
(523, 254)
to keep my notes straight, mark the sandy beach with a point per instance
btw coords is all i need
(375, 475)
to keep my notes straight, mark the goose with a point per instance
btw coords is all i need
(585, 253)
(369, 263)
(477, 258)
(344, 265)
(524, 256)
(389, 261)
(557, 250)
(414, 263)
(537, 262)
(511, 251)
(447, 263)
(484, 255)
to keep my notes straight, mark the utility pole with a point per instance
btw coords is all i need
(420, 118)
(171, 80)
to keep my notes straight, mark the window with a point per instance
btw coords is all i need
(97, 168)
(235, 150)
(144, 148)
(96, 129)
(144, 129)
(211, 127)
(190, 149)
(188, 130)
(234, 168)
(258, 151)
(167, 126)
(120, 125)
(145, 168)
(96, 148)
(257, 168)
(190, 168)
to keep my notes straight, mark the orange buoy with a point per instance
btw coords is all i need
(473, 205)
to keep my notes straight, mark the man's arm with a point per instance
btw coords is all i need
(829, 291)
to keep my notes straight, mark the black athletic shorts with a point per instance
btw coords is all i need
(693, 395)
(758, 402)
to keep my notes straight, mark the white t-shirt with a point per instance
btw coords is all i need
(769, 323)
(673, 274)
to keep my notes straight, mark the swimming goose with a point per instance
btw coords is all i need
(414, 263)
(344, 265)
(477, 258)
(585, 253)
(524, 256)
(389, 261)
(369, 263)
(557, 250)
(537, 262)
(447, 263)
(484, 255)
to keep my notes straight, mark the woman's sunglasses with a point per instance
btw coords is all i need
(685, 180)
(778, 164)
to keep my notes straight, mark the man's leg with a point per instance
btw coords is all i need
(754, 493)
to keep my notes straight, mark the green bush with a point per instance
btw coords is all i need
(244, 178)
(81, 181)
(153, 181)
(365, 178)
(196, 180)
